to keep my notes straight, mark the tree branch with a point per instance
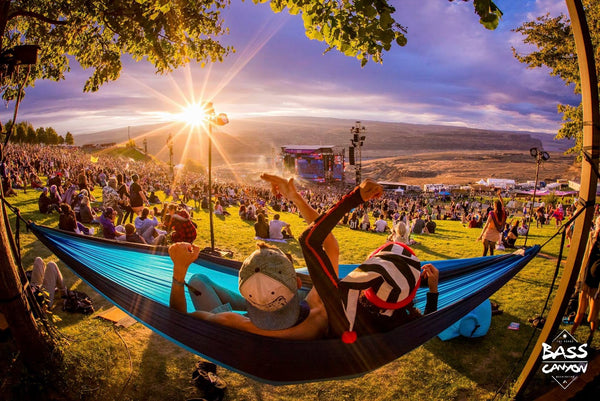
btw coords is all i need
(24, 13)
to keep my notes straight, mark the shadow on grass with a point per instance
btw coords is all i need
(159, 371)
(487, 360)
(537, 283)
(430, 251)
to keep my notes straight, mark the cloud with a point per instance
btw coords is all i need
(452, 71)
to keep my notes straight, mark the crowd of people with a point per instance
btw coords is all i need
(130, 210)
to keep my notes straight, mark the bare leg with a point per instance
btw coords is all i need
(583, 304)
(53, 279)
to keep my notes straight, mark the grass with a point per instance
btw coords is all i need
(103, 362)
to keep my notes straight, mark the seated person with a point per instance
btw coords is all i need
(511, 236)
(48, 278)
(279, 229)
(418, 226)
(132, 236)
(353, 222)
(219, 211)
(183, 229)
(242, 212)
(261, 227)
(86, 213)
(107, 221)
(68, 222)
(146, 226)
(35, 181)
(381, 225)
(44, 202)
(524, 229)
(366, 224)
(430, 226)
(400, 233)
(153, 199)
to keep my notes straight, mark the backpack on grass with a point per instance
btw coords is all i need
(78, 302)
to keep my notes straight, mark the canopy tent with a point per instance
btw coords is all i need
(137, 279)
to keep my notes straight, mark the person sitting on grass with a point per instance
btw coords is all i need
(132, 236)
(68, 222)
(380, 225)
(47, 278)
(279, 229)
(146, 226)
(261, 227)
(107, 221)
(219, 211)
(182, 227)
(44, 203)
(87, 213)
(430, 226)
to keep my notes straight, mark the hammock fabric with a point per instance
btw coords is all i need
(137, 278)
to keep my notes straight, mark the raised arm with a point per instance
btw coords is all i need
(287, 188)
(182, 254)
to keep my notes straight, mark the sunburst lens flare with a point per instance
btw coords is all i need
(195, 114)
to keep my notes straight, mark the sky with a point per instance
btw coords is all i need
(451, 72)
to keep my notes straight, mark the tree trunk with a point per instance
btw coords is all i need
(35, 347)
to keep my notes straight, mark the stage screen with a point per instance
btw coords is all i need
(338, 168)
(310, 167)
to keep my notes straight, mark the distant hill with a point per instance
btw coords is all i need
(247, 140)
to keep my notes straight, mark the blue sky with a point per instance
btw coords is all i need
(451, 72)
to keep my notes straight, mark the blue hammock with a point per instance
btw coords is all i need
(137, 279)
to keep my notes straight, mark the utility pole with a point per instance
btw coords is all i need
(357, 141)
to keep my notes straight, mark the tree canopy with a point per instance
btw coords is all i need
(170, 34)
(556, 49)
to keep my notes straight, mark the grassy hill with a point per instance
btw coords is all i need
(104, 362)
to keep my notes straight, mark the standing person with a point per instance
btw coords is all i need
(83, 184)
(589, 283)
(137, 195)
(124, 205)
(279, 229)
(494, 225)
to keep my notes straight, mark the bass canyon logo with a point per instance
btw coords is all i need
(565, 359)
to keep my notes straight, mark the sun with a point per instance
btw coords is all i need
(194, 114)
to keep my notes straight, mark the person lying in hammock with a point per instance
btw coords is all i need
(378, 295)
(269, 293)
(266, 285)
